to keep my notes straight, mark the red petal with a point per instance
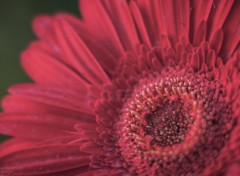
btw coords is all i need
(234, 169)
(15, 144)
(42, 26)
(140, 23)
(98, 20)
(79, 55)
(199, 12)
(44, 160)
(91, 148)
(46, 69)
(211, 59)
(83, 170)
(35, 126)
(195, 62)
(13, 103)
(218, 14)
(200, 34)
(105, 57)
(85, 127)
(89, 173)
(121, 17)
(181, 11)
(216, 41)
(231, 32)
(66, 139)
(57, 96)
(174, 19)
(147, 9)
(110, 172)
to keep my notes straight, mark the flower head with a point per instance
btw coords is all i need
(136, 88)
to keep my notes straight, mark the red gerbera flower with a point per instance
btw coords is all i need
(137, 88)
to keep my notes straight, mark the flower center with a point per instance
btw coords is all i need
(172, 121)
(168, 124)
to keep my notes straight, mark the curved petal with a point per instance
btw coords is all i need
(199, 12)
(122, 19)
(35, 126)
(15, 144)
(173, 19)
(14, 103)
(148, 11)
(234, 169)
(218, 15)
(78, 54)
(138, 18)
(96, 17)
(44, 160)
(45, 69)
(105, 57)
(231, 32)
(42, 26)
(57, 96)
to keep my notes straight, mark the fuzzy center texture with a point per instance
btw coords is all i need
(172, 121)
(168, 124)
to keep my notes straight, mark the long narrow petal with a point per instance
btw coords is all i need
(105, 57)
(231, 32)
(122, 19)
(43, 28)
(199, 11)
(98, 20)
(77, 52)
(138, 18)
(174, 19)
(44, 160)
(15, 144)
(218, 14)
(35, 126)
(57, 96)
(14, 103)
(45, 69)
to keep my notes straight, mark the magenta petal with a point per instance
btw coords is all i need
(35, 126)
(45, 69)
(79, 55)
(44, 160)
(14, 103)
(56, 96)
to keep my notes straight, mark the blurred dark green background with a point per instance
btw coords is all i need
(16, 33)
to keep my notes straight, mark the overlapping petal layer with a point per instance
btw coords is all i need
(98, 81)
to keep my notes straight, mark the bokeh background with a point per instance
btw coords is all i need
(16, 33)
